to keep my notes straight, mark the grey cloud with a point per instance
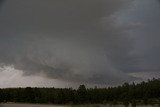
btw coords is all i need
(55, 15)
(146, 47)
(73, 40)
(1, 1)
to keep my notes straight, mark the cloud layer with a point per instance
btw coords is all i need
(93, 41)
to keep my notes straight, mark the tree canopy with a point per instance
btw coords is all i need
(144, 92)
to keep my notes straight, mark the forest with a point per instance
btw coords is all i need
(140, 93)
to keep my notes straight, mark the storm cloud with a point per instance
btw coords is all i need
(81, 41)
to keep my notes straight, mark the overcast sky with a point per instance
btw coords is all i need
(64, 43)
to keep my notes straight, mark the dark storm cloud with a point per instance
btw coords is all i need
(146, 46)
(1, 2)
(71, 40)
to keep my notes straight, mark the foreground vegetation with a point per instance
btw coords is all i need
(142, 93)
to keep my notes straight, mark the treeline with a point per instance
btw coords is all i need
(145, 92)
